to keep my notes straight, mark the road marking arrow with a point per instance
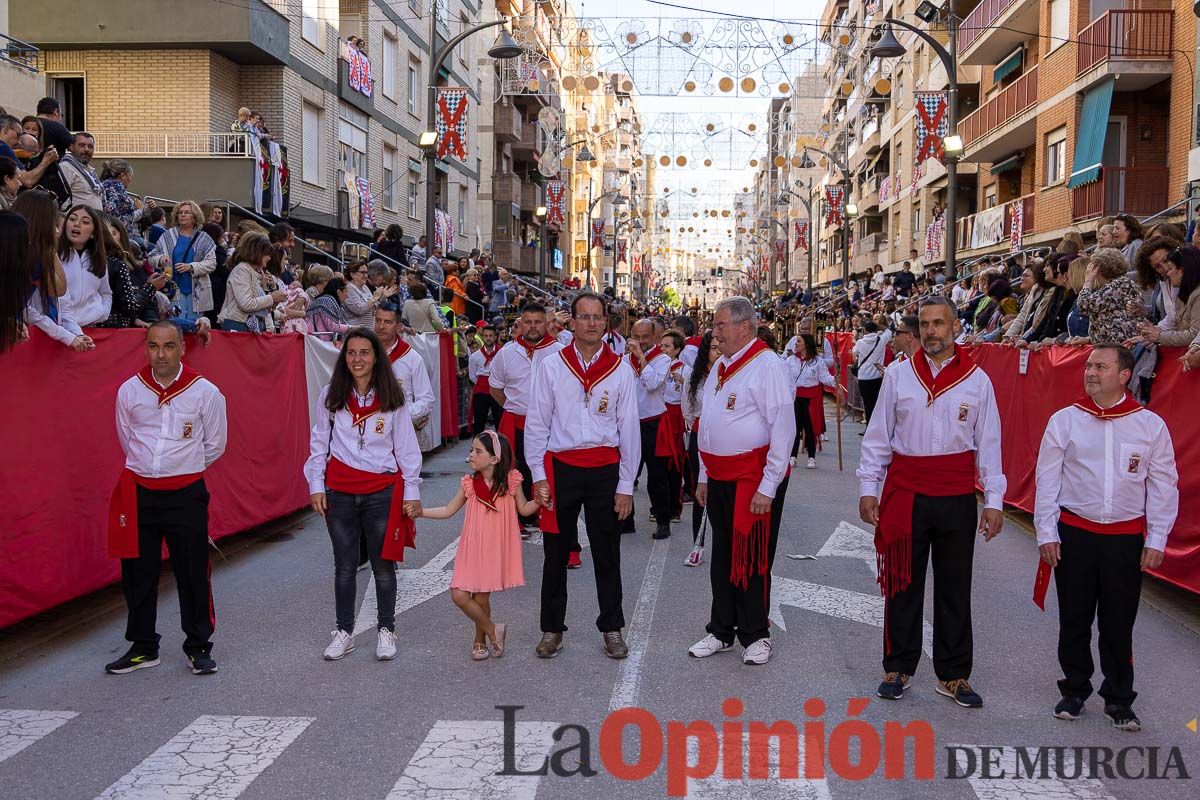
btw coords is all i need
(413, 587)
(851, 541)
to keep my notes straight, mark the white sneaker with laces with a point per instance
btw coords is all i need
(385, 648)
(812, 463)
(792, 461)
(342, 644)
(758, 652)
(709, 645)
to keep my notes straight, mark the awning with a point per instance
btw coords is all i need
(1009, 65)
(1090, 133)
(1008, 164)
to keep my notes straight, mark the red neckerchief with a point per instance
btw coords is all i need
(1124, 408)
(487, 357)
(187, 376)
(725, 372)
(399, 349)
(601, 368)
(483, 491)
(545, 342)
(676, 365)
(359, 414)
(694, 341)
(952, 374)
(650, 355)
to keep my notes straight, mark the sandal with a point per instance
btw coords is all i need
(479, 651)
(498, 639)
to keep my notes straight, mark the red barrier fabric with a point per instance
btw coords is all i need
(1054, 380)
(843, 345)
(61, 456)
(448, 391)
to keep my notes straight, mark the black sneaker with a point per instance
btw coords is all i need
(663, 531)
(202, 664)
(1069, 708)
(1122, 718)
(131, 662)
(893, 686)
(960, 692)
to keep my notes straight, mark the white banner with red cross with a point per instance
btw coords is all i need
(834, 195)
(451, 123)
(556, 202)
(933, 125)
(621, 247)
(801, 229)
(597, 232)
(780, 251)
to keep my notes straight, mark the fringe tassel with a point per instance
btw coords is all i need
(750, 554)
(893, 561)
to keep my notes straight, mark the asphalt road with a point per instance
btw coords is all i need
(279, 722)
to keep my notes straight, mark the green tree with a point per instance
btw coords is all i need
(670, 297)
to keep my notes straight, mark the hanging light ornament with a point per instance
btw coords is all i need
(748, 84)
(725, 84)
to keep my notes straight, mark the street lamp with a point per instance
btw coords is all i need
(851, 210)
(889, 46)
(540, 215)
(619, 200)
(505, 46)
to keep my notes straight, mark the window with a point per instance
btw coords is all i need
(463, 24)
(68, 90)
(311, 118)
(1059, 29)
(389, 177)
(415, 7)
(989, 200)
(414, 187)
(1056, 156)
(390, 49)
(310, 27)
(352, 143)
(414, 88)
(462, 210)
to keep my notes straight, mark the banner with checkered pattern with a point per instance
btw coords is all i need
(556, 202)
(451, 123)
(933, 125)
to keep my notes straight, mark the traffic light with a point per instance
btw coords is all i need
(720, 272)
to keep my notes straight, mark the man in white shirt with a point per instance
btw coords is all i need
(583, 441)
(171, 425)
(745, 439)
(936, 425)
(906, 341)
(868, 355)
(650, 365)
(407, 366)
(484, 407)
(1106, 502)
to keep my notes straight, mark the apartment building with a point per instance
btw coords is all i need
(21, 82)
(1086, 110)
(160, 81)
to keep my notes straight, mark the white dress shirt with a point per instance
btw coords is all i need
(410, 371)
(183, 436)
(64, 331)
(688, 354)
(387, 442)
(615, 342)
(1107, 471)
(868, 354)
(963, 418)
(761, 395)
(672, 391)
(562, 418)
(513, 371)
(691, 410)
(478, 366)
(650, 385)
(565, 337)
(90, 296)
(809, 373)
(826, 350)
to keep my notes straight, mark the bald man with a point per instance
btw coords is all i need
(650, 365)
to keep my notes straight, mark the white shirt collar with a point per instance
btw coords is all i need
(168, 383)
(739, 353)
(934, 367)
(586, 362)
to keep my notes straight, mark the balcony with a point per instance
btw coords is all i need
(1005, 123)
(246, 32)
(529, 260)
(869, 195)
(1129, 190)
(363, 101)
(18, 53)
(991, 227)
(507, 123)
(1136, 45)
(531, 197)
(528, 148)
(870, 244)
(995, 28)
(506, 253)
(506, 188)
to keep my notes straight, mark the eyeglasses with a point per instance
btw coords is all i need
(589, 318)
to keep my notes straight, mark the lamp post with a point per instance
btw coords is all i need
(889, 47)
(805, 200)
(850, 210)
(634, 224)
(540, 215)
(505, 46)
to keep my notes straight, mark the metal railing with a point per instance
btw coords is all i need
(228, 204)
(1028, 209)
(173, 144)
(1131, 190)
(980, 20)
(18, 53)
(1126, 36)
(1016, 98)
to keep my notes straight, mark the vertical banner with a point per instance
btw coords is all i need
(780, 250)
(598, 232)
(833, 201)
(353, 201)
(622, 244)
(1017, 225)
(933, 124)
(451, 123)
(367, 214)
(359, 74)
(801, 231)
(556, 202)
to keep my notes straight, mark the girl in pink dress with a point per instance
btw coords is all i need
(489, 550)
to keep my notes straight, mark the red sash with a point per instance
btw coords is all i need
(605, 365)
(669, 442)
(401, 531)
(1124, 408)
(510, 423)
(725, 372)
(398, 350)
(751, 532)
(951, 375)
(816, 411)
(1041, 582)
(122, 507)
(187, 376)
(582, 457)
(908, 476)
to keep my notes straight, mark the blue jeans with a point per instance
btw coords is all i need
(187, 310)
(350, 519)
(234, 325)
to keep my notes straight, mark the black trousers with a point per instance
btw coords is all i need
(180, 516)
(943, 528)
(593, 490)
(526, 477)
(869, 389)
(1099, 578)
(484, 409)
(693, 458)
(657, 481)
(800, 407)
(737, 612)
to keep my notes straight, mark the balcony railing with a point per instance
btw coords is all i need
(1121, 190)
(979, 20)
(145, 144)
(970, 239)
(1126, 36)
(1017, 98)
(21, 54)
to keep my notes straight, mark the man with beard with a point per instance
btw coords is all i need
(936, 422)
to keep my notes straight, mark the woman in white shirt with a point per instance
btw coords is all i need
(81, 248)
(364, 478)
(809, 373)
(48, 308)
(692, 404)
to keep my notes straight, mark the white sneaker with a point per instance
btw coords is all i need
(709, 645)
(758, 652)
(342, 644)
(792, 461)
(694, 558)
(385, 647)
(812, 463)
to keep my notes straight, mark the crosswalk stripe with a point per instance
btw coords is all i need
(459, 759)
(413, 587)
(214, 758)
(20, 728)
